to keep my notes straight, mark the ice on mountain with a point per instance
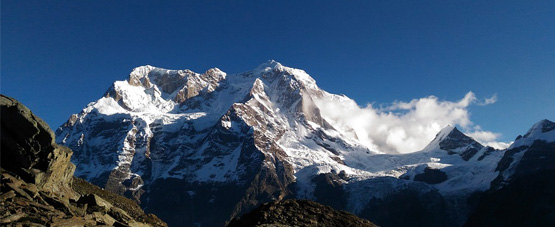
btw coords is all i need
(166, 123)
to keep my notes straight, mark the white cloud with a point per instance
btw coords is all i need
(497, 145)
(488, 101)
(488, 139)
(484, 136)
(403, 127)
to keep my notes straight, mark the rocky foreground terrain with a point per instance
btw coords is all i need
(297, 212)
(37, 183)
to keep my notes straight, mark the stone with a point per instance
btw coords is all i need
(32, 189)
(95, 203)
(7, 195)
(29, 150)
(120, 215)
(15, 187)
(137, 224)
(103, 218)
(69, 222)
(12, 218)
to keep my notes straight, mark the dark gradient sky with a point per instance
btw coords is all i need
(57, 56)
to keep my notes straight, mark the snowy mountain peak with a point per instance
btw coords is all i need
(543, 130)
(270, 65)
(434, 144)
(456, 139)
(446, 131)
(271, 70)
(543, 126)
(453, 141)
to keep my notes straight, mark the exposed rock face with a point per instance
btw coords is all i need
(298, 213)
(431, 176)
(453, 141)
(533, 152)
(37, 184)
(329, 189)
(523, 194)
(29, 150)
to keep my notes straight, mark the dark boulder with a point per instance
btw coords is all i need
(295, 212)
(431, 176)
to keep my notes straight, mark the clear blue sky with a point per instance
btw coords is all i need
(57, 56)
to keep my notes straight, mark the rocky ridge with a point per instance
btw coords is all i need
(523, 194)
(37, 183)
(302, 213)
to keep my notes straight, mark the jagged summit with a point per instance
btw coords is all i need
(456, 139)
(272, 64)
(150, 88)
(453, 141)
(450, 138)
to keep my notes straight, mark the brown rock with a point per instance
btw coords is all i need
(29, 150)
(28, 203)
(103, 218)
(15, 187)
(37, 182)
(95, 203)
(120, 215)
(69, 222)
(12, 218)
(31, 189)
(7, 195)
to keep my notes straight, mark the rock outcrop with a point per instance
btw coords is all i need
(37, 183)
(295, 212)
(29, 150)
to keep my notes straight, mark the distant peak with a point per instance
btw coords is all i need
(455, 131)
(450, 138)
(540, 127)
(445, 132)
(447, 129)
(542, 130)
(546, 125)
(141, 71)
(215, 69)
(270, 65)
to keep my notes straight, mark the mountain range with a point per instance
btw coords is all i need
(201, 149)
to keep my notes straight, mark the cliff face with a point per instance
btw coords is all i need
(37, 183)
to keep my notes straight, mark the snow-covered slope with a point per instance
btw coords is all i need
(532, 152)
(241, 139)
